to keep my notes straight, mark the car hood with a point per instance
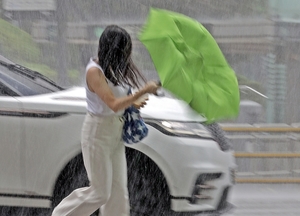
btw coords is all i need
(169, 109)
(73, 100)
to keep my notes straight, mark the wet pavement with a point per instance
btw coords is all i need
(246, 199)
(265, 200)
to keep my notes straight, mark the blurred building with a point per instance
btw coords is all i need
(285, 9)
(251, 112)
(261, 42)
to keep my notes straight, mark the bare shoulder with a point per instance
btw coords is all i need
(95, 78)
(94, 71)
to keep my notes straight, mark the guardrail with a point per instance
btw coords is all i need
(266, 153)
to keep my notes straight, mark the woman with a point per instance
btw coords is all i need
(107, 82)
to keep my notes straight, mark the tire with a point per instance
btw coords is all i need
(147, 187)
(72, 177)
(7, 210)
(23, 211)
(148, 192)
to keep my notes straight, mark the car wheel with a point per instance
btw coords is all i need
(148, 193)
(72, 177)
(7, 210)
(147, 187)
(23, 211)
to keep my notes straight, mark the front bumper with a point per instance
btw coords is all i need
(207, 183)
(183, 162)
(204, 205)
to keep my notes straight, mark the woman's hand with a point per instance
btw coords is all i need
(151, 87)
(140, 103)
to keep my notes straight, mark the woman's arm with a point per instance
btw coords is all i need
(97, 83)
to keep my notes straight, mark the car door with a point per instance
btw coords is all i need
(11, 147)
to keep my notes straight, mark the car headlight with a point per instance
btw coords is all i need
(181, 129)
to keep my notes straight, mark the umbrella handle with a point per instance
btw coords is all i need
(159, 93)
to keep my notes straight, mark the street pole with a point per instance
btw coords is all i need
(62, 43)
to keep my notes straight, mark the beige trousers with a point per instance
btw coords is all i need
(105, 163)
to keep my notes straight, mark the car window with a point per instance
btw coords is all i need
(24, 85)
(3, 90)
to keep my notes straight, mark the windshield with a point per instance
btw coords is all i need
(24, 82)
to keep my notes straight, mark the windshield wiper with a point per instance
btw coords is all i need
(31, 74)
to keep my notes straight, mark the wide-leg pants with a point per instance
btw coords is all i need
(105, 163)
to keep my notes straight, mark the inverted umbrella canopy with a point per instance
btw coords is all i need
(190, 64)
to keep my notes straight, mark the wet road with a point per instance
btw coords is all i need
(247, 199)
(265, 200)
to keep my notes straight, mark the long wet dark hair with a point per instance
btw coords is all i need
(114, 56)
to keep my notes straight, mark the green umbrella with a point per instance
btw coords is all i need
(190, 64)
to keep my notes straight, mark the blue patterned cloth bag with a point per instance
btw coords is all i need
(134, 129)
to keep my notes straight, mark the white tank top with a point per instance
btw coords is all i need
(94, 103)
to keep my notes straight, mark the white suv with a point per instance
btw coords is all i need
(181, 166)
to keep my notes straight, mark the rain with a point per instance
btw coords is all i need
(260, 41)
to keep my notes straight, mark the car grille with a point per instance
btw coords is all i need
(219, 136)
